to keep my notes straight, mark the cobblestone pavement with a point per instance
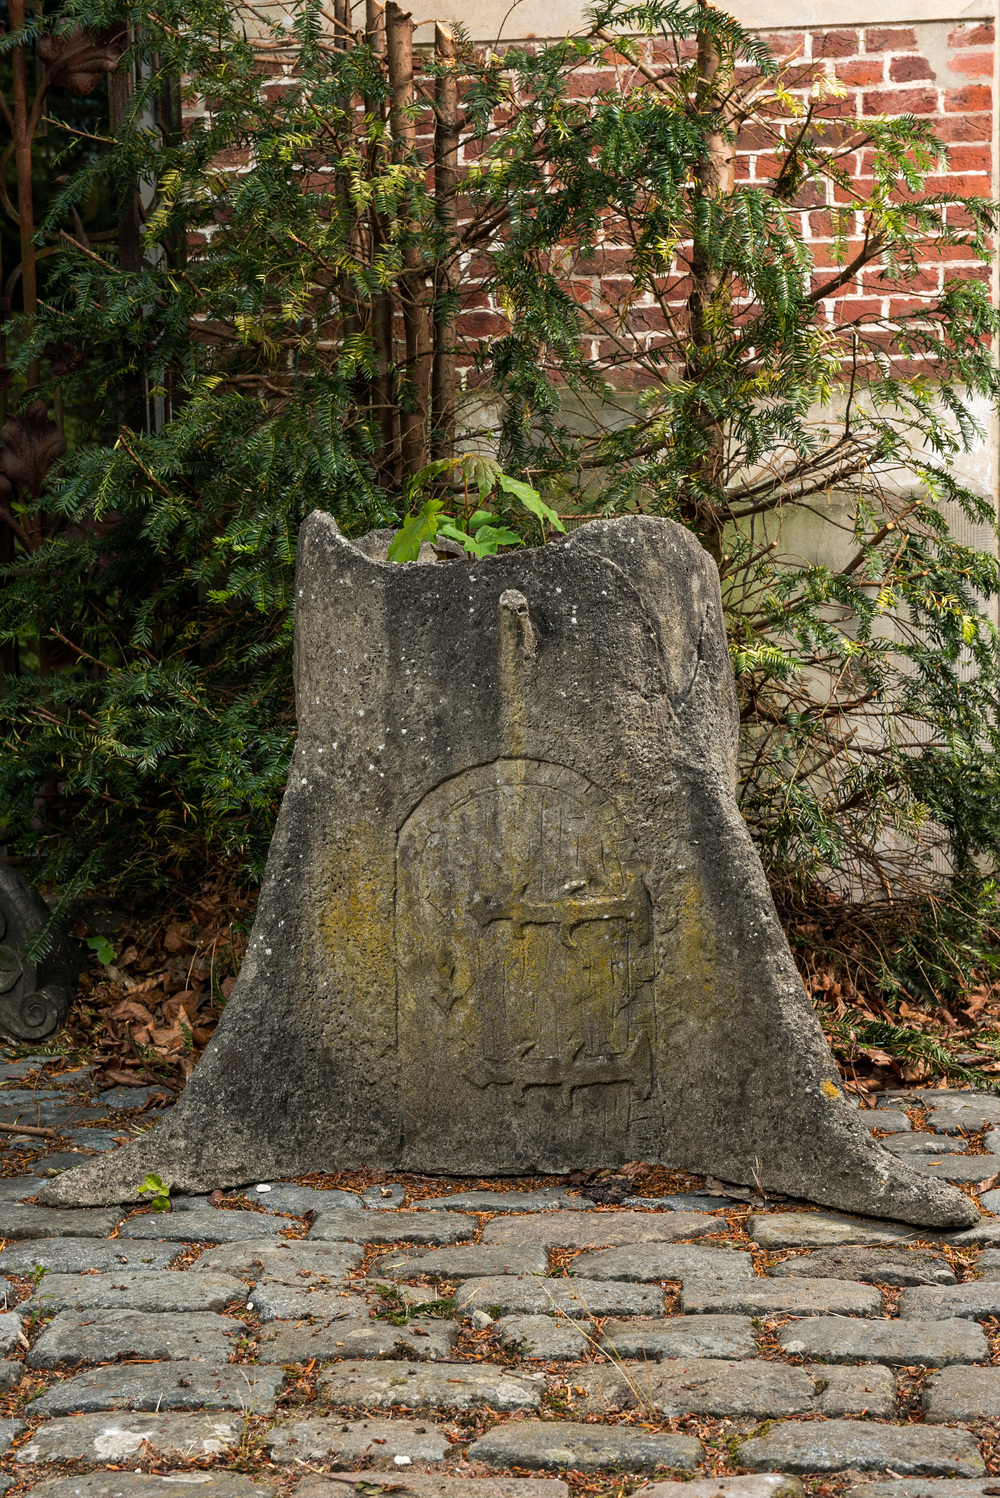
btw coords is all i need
(431, 1339)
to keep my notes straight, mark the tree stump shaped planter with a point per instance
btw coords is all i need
(512, 920)
(35, 994)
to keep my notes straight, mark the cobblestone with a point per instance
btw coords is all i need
(17, 1222)
(544, 1337)
(794, 1297)
(892, 1266)
(664, 1261)
(137, 1485)
(461, 1262)
(602, 1229)
(301, 1342)
(390, 1398)
(82, 1255)
(977, 1300)
(140, 1291)
(201, 1227)
(95, 1336)
(682, 1337)
(114, 1438)
(839, 1445)
(561, 1445)
(823, 1230)
(842, 1339)
(391, 1227)
(962, 1394)
(294, 1262)
(711, 1387)
(338, 1443)
(516, 1295)
(459, 1386)
(164, 1386)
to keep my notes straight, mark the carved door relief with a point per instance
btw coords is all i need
(525, 969)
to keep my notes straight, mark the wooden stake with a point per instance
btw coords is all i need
(413, 281)
(444, 382)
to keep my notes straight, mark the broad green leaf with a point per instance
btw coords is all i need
(421, 527)
(481, 517)
(532, 500)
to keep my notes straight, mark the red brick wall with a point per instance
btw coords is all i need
(941, 72)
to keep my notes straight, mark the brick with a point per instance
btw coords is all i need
(976, 34)
(878, 39)
(790, 43)
(970, 99)
(862, 71)
(910, 69)
(835, 44)
(908, 101)
(972, 64)
(971, 158)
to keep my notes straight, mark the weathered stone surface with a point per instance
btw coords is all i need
(843, 1339)
(80, 1256)
(339, 1443)
(291, 1262)
(296, 1201)
(765, 1485)
(463, 1261)
(601, 1229)
(9, 1431)
(165, 1386)
(693, 1386)
(918, 1144)
(104, 1438)
(95, 1336)
(903, 1487)
(18, 1222)
(978, 1299)
(838, 1445)
(989, 1201)
(681, 1337)
(544, 1337)
(972, 1169)
(822, 1230)
(887, 1121)
(869, 1390)
(430, 1340)
(391, 1227)
(548, 1199)
(11, 1374)
(425, 1485)
(684, 1201)
(986, 1231)
(273, 1301)
(590, 901)
(137, 1485)
(796, 1297)
(208, 1226)
(988, 1265)
(655, 1261)
(517, 1295)
(459, 1386)
(140, 1291)
(893, 1266)
(563, 1445)
(11, 1328)
(962, 1394)
(602, 1388)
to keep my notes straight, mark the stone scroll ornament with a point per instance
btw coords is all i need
(35, 993)
(512, 921)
